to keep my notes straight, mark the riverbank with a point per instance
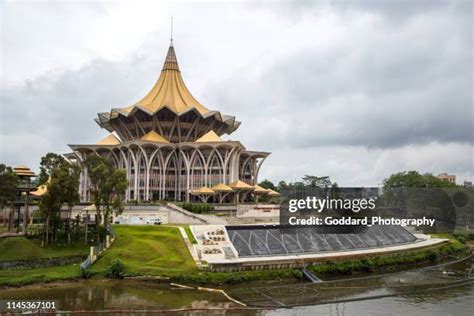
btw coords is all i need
(159, 252)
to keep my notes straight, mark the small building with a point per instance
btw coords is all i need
(447, 177)
(23, 200)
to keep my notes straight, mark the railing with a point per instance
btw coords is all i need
(96, 251)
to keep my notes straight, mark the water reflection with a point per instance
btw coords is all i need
(445, 278)
(119, 295)
(442, 290)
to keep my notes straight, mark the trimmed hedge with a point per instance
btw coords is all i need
(198, 208)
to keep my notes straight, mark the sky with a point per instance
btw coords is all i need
(354, 90)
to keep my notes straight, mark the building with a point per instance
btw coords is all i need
(170, 144)
(467, 184)
(24, 190)
(447, 177)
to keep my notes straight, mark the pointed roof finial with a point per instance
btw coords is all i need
(171, 38)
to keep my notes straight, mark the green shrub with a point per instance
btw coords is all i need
(432, 256)
(116, 269)
(198, 208)
(462, 238)
(389, 261)
(219, 278)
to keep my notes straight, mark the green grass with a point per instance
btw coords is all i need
(21, 248)
(148, 250)
(392, 262)
(190, 235)
(27, 276)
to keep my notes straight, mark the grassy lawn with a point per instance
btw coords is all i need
(20, 248)
(190, 235)
(148, 250)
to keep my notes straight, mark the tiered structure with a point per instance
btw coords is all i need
(24, 190)
(170, 144)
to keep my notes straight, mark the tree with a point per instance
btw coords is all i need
(267, 184)
(8, 184)
(49, 162)
(108, 187)
(71, 191)
(50, 206)
(62, 189)
(411, 194)
(282, 185)
(413, 179)
(317, 182)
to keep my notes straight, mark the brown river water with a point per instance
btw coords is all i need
(440, 290)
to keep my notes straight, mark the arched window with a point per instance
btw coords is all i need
(197, 172)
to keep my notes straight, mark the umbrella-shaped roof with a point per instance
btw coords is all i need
(240, 185)
(273, 193)
(109, 140)
(209, 137)
(169, 92)
(221, 187)
(153, 136)
(203, 191)
(259, 189)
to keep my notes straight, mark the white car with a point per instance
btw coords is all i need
(154, 221)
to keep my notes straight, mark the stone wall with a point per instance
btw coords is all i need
(41, 263)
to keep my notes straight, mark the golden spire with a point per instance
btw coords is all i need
(171, 62)
(170, 91)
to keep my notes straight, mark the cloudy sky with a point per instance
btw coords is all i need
(355, 90)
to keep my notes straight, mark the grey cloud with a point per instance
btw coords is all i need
(399, 85)
(376, 98)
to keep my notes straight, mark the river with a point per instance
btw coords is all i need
(440, 290)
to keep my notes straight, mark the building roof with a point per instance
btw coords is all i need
(42, 189)
(109, 140)
(273, 193)
(23, 171)
(153, 136)
(240, 185)
(169, 92)
(259, 189)
(209, 137)
(203, 191)
(221, 187)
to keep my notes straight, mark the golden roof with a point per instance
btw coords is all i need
(169, 92)
(209, 137)
(240, 185)
(203, 191)
(109, 140)
(153, 136)
(273, 193)
(259, 189)
(22, 170)
(221, 187)
(42, 189)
